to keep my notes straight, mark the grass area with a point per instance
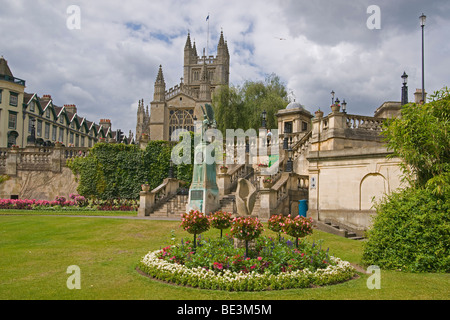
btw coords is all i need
(68, 212)
(35, 252)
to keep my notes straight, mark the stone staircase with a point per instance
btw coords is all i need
(173, 207)
(227, 202)
(333, 227)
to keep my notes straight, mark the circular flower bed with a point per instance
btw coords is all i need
(271, 265)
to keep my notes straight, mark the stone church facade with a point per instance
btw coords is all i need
(179, 106)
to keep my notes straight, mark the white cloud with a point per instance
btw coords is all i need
(112, 61)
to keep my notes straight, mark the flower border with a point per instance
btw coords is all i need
(239, 281)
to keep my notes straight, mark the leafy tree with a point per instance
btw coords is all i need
(241, 107)
(411, 230)
(229, 108)
(421, 138)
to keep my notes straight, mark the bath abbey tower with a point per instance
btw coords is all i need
(179, 106)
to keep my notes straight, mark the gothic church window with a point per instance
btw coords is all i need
(180, 119)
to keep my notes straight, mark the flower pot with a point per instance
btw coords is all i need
(267, 184)
(319, 114)
(335, 108)
(145, 187)
(223, 170)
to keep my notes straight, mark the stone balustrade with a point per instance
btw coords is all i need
(364, 123)
(37, 158)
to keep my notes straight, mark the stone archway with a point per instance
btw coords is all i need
(372, 187)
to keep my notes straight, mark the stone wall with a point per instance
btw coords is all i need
(344, 184)
(38, 173)
(39, 185)
(349, 169)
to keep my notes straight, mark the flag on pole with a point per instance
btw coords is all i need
(207, 18)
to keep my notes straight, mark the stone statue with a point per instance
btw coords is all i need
(245, 197)
(204, 193)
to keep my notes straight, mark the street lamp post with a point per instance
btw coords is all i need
(264, 119)
(404, 89)
(423, 18)
(344, 106)
(332, 97)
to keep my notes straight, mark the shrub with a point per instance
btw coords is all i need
(247, 229)
(297, 227)
(410, 232)
(276, 224)
(194, 222)
(60, 200)
(220, 220)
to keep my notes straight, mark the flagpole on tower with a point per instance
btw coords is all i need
(207, 36)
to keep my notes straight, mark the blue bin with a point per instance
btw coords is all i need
(302, 207)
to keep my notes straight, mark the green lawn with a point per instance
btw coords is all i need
(35, 252)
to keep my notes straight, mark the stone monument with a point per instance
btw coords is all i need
(204, 192)
(245, 201)
(245, 197)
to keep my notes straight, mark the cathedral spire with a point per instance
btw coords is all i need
(221, 41)
(160, 77)
(160, 86)
(194, 50)
(188, 42)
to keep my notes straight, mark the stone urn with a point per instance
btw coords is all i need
(267, 184)
(335, 108)
(319, 114)
(223, 169)
(145, 187)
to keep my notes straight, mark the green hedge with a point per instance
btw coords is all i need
(411, 232)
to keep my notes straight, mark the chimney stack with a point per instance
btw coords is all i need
(418, 96)
(71, 108)
(105, 123)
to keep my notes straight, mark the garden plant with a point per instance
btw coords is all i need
(220, 220)
(268, 265)
(195, 223)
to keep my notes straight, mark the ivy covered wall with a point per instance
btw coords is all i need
(112, 171)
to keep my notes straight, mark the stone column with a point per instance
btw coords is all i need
(267, 197)
(56, 157)
(146, 202)
(223, 183)
(11, 161)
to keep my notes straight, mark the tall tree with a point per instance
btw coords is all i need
(421, 138)
(242, 107)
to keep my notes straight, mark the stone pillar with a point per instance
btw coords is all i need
(267, 197)
(223, 183)
(56, 157)
(313, 195)
(146, 202)
(11, 161)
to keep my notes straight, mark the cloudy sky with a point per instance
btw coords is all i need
(110, 62)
